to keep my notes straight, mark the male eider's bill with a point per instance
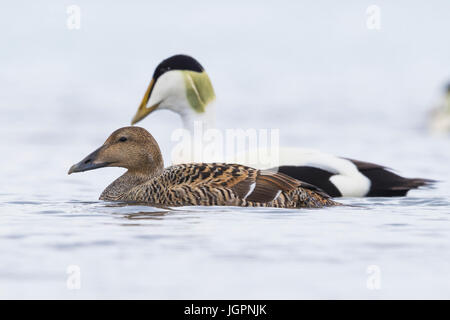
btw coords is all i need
(181, 84)
(199, 184)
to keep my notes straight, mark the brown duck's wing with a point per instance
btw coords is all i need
(287, 183)
(212, 174)
(246, 183)
(267, 186)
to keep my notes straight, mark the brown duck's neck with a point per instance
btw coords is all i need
(126, 182)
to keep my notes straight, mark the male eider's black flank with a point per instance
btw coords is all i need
(177, 62)
(314, 176)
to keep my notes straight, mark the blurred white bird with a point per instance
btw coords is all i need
(439, 121)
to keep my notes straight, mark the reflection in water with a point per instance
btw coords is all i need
(146, 215)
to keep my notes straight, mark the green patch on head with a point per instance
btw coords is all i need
(199, 90)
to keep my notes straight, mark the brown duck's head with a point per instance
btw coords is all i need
(133, 148)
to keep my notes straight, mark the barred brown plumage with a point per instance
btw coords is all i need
(204, 184)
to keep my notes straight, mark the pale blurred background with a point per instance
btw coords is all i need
(313, 69)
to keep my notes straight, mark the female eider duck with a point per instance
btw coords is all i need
(204, 184)
(181, 84)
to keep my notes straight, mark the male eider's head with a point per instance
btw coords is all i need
(180, 84)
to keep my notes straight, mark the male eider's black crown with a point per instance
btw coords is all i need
(177, 62)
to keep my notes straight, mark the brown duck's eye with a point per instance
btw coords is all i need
(123, 139)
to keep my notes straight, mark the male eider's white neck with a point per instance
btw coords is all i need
(207, 119)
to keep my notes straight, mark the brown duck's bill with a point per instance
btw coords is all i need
(143, 111)
(88, 163)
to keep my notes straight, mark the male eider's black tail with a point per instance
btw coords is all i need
(385, 183)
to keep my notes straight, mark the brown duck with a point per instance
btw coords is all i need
(206, 184)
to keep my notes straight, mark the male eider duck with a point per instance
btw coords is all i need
(182, 85)
(439, 122)
(199, 184)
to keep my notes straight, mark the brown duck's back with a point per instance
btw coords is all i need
(218, 184)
